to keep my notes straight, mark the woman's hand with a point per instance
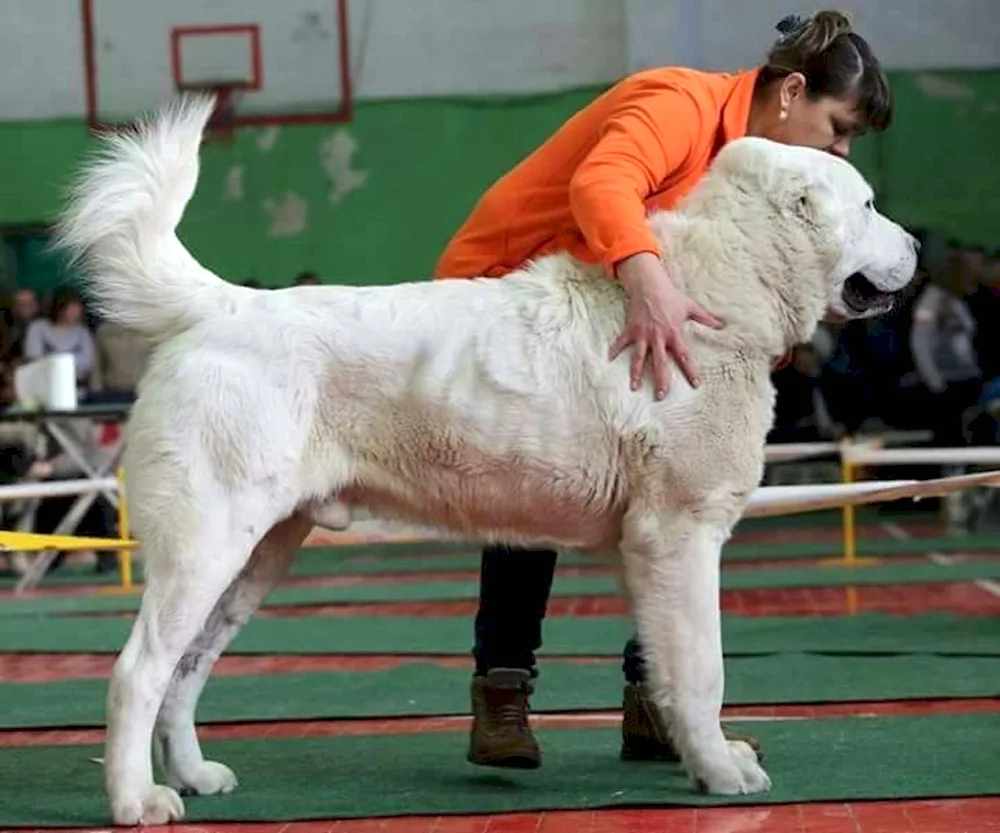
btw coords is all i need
(657, 313)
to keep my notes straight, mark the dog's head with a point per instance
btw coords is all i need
(815, 214)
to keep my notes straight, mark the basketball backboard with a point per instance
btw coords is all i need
(282, 62)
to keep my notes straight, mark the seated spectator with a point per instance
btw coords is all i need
(23, 310)
(64, 331)
(947, 375)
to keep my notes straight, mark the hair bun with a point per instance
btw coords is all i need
(789, 24)
(818, 30)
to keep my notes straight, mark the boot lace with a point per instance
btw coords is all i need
(514, 713)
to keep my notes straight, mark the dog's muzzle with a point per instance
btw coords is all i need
(861, 296)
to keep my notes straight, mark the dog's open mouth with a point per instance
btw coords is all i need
(860, 295)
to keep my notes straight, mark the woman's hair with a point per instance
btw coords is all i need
(62, 298)
(835, 60)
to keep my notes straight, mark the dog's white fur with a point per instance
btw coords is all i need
(486, 407)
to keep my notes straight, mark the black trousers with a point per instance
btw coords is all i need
(514, 589)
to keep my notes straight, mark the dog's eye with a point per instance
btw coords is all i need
(870, 205)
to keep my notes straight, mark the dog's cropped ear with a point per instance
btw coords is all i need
(810, 199)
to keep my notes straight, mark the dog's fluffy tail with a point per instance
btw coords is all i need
(121, 221)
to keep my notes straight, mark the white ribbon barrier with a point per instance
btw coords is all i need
(792, 500)
(790, 452)
(962, 456)
(56, 488)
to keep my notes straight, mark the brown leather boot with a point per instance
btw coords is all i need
(501, 735)
(644, 735)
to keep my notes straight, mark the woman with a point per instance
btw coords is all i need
(642, 145)
(64, 331)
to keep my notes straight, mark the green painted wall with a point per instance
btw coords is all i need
(427, 161)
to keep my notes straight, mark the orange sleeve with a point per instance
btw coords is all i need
(645, 139)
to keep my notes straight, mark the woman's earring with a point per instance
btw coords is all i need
(784, 115)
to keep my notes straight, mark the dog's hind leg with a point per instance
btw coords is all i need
(188, 568)
(672, 563)
(175, 740)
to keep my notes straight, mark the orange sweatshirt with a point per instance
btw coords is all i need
(642, 145)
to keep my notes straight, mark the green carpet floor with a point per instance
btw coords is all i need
(427, 690)
(351, 777)
(435, 556)
(340, 561)
(408, 591)
(866, 634)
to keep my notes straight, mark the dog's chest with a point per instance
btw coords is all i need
(466, 489)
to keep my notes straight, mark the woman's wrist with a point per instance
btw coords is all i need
(642, 273)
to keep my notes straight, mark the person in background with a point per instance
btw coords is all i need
(24, 309)
(844, 379)
(63, 331)
(942, 344)
(984, 303)
(984, 426)
(307, 279)
(642, 145)
(862, 376)
(800, 413)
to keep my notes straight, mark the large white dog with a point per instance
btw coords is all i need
(484, 407)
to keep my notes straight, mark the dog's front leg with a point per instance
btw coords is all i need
(672, 571)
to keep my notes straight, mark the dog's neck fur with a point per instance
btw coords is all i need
(768, 304)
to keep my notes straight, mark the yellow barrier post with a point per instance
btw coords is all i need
(125, 553)
(850, 542)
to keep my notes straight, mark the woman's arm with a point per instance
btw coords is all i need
(646, 139)
(657, 313)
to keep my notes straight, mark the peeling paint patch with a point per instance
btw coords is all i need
(934, 86)
(336, 154)
(233, 187)
(267, 138)
(288, 214)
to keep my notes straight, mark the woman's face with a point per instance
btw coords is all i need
(825, 123)
(71, 314)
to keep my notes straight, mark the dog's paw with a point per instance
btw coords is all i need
(157, 805)
(208, 778)
(737, 773)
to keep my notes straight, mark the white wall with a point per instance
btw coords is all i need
(448, 47)
(905, 34)
(41, 59)
(406, 48)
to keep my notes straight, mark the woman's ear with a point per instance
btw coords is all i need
(792, 87)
